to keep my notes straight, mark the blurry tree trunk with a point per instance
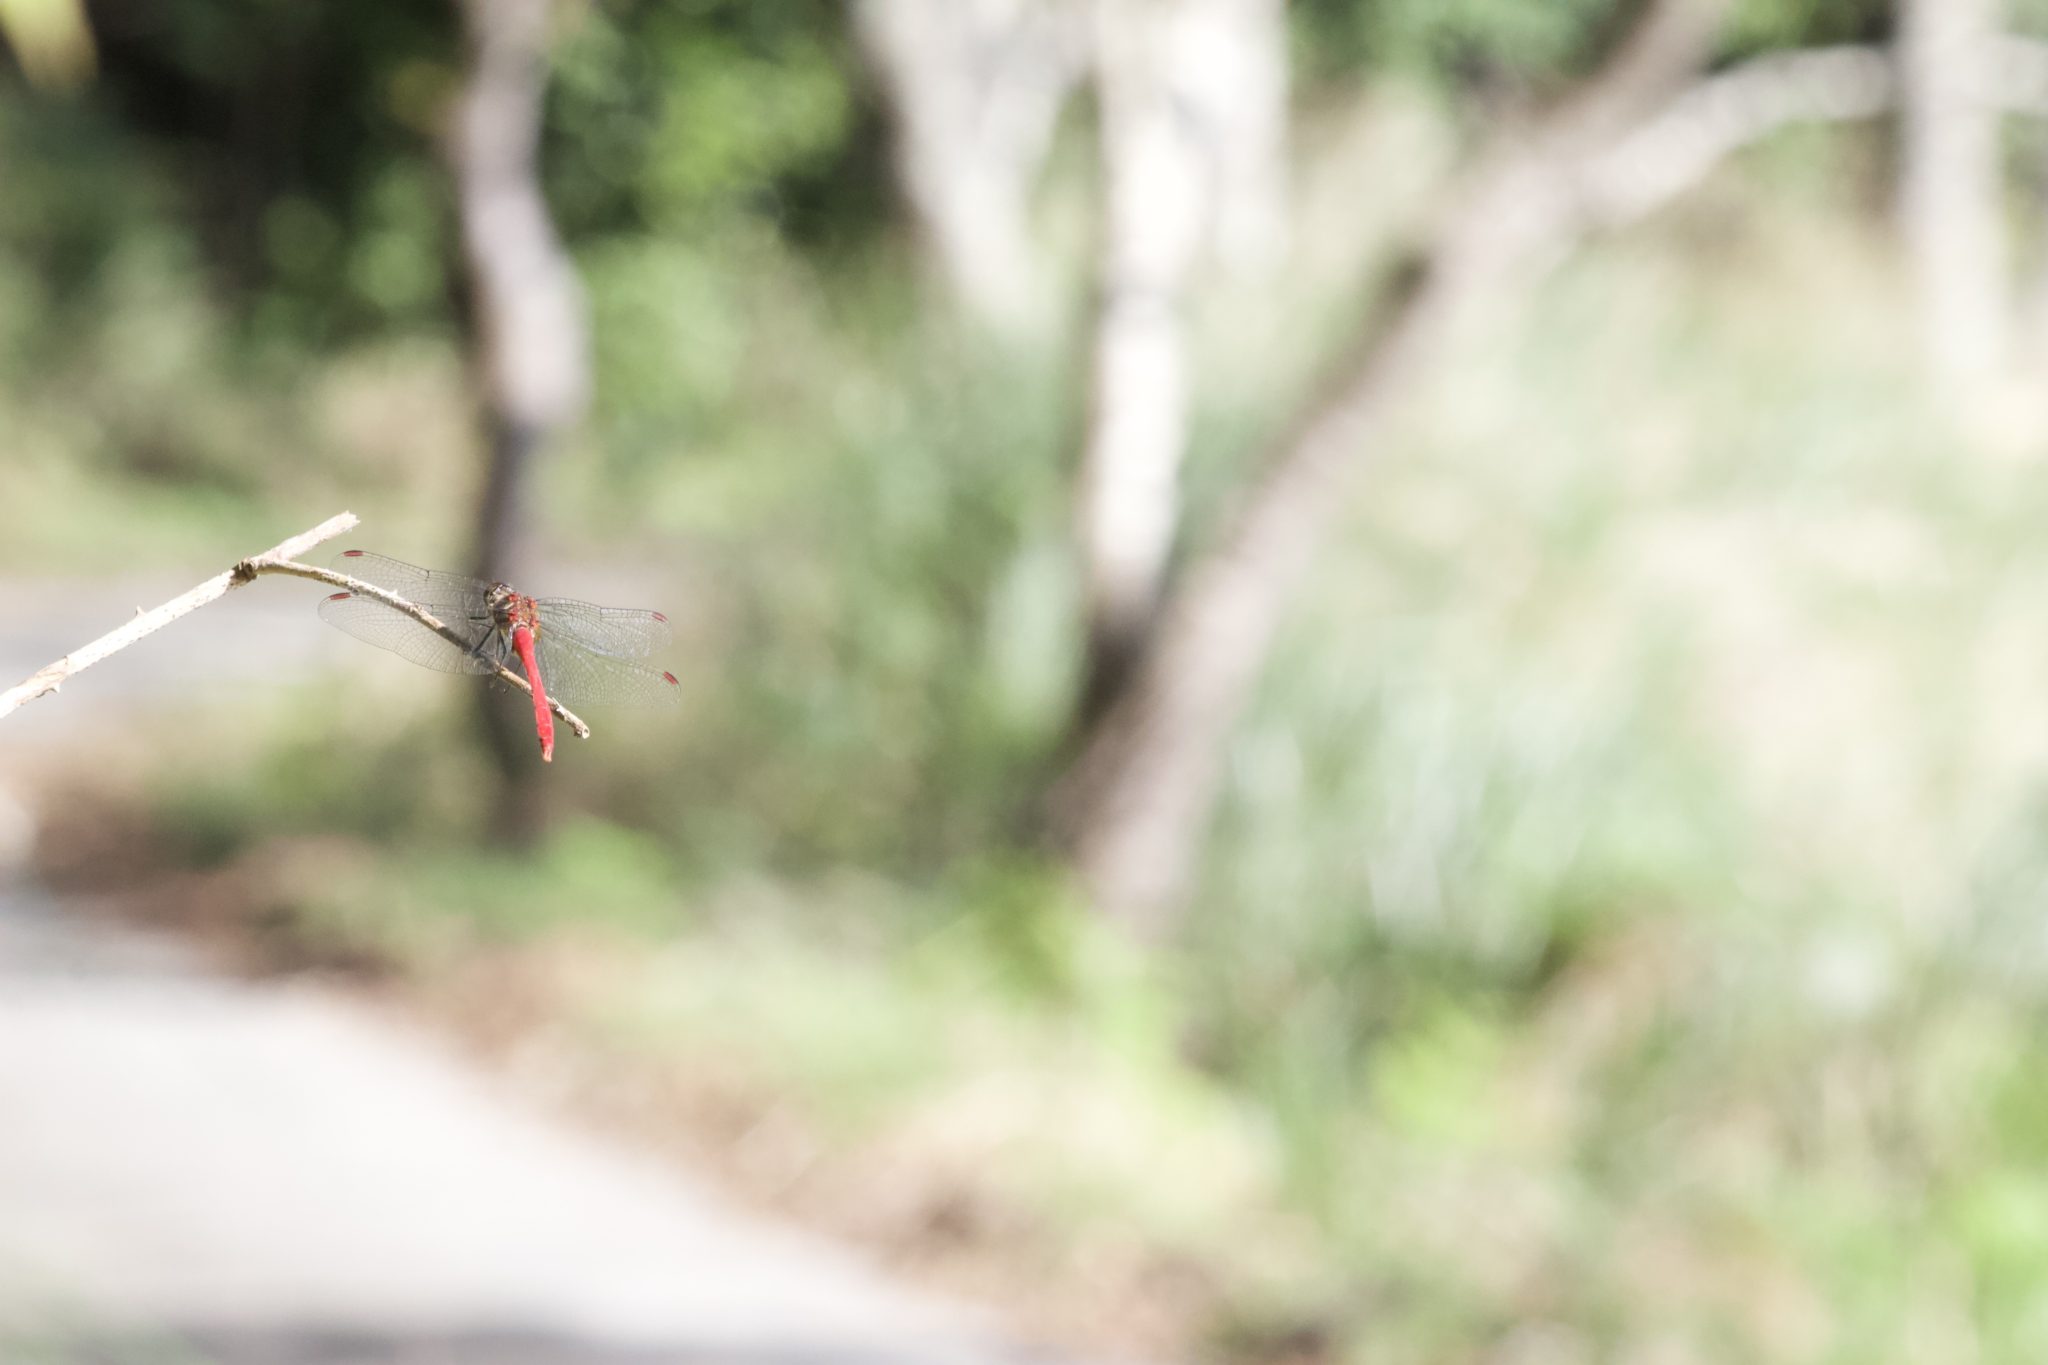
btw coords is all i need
(1951, 185)
(527, 331)
(1136, 430)
(1192, 107)
(1131, 809)
(975, 88)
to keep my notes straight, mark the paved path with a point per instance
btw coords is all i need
(200, 1169)
(197, 1168)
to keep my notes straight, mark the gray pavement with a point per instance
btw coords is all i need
(195, 1168)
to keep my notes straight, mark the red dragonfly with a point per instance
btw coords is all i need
(573, 651)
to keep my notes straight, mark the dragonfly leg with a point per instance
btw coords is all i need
(488, 647)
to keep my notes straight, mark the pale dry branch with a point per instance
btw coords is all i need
(53, 676)
(1697, 131)
(1720, 115)
(279, 559)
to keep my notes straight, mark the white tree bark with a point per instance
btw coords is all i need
(1152, 227)
(1951, 186)
(1192, 104)
(975, 88)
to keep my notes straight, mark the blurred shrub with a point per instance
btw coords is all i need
(676, 119)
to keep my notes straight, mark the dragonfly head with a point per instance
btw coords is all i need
(500, 601)
(509, 609)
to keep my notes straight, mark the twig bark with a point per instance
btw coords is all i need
(278, 559)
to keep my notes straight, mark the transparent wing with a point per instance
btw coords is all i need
(621, 632)
(580, 678)
(388, 628)
(428, 588)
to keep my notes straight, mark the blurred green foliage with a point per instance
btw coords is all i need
(251, 189)
(1621, 936)
(1459, 41)
(675, 119)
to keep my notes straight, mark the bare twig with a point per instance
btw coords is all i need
(279, 559)
(53, 676)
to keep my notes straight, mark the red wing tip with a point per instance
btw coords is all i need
(670, 678)
(659, 617)
(339, 596)
(352, 554)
